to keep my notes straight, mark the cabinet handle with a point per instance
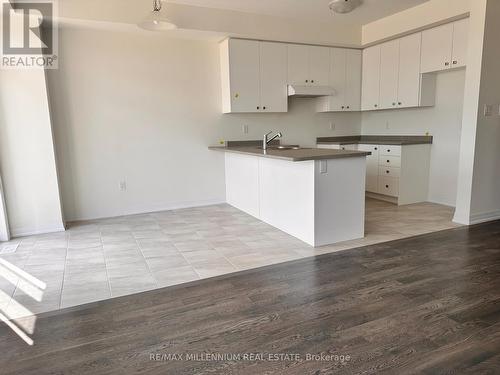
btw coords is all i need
(387, 186)
(455, 62)
(447, 64)
(307, 81)
(348, 106)
(388, 161)
(343, 107)
(258, 107)
(376, 105)
(264, 108)
(393, 103)
(376, 148)
(388, 150)
(400, 103)
(312, 80)
(387, 172)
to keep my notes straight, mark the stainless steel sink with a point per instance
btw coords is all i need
(282, 147)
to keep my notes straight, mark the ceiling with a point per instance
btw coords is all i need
(316, 10)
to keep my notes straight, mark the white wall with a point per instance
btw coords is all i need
(414, 19)
(143, 108)
(444, 122)
(27, 154)
(471, 111)
(485, 202)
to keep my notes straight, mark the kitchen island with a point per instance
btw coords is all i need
(315, 195)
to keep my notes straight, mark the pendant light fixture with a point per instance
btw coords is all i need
(344, 6)
(156, 20)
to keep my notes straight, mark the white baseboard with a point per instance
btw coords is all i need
(151, 209)
(484, 217)
(27, 231)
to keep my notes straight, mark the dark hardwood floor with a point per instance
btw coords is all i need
(424, 305)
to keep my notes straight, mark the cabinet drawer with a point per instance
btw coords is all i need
(388, 186)
(390, 150)
(389, 161)
(374, 149)
(389, 172)
(372, 184)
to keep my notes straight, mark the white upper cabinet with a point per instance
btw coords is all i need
(338, 63)
(460, 43)
(298, 64)
(345, 78)
(253, 76)
(273, 77)
(353, 80)
(389, 74)
(240, 75)
(445, 47)
(436, 48)
(398, 83)
(409, 82)
(319, 66)
(400, 73)
(308, 65)
(370, 97)
(403, 75)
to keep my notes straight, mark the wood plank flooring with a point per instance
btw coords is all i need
(426, 305)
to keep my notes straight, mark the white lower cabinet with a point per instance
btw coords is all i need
(388, 186)
(398, 174)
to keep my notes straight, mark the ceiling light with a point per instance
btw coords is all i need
(156, 20)
(344, 6)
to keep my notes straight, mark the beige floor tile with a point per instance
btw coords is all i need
(111, 257)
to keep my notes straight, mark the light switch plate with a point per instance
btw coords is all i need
(488, 110)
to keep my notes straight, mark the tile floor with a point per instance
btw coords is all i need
(107, 258)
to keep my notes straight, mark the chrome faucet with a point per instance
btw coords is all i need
(268, 140)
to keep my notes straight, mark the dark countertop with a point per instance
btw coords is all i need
(377, 140)
(303, 154)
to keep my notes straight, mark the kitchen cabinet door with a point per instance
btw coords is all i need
(273, 77)
(460, 43)
(353, 80)
(298, 64)
(437, 48)
(244, 75)
(371, 79)
(319, 65)
(409, 71)
(389, 74)
(338, 79)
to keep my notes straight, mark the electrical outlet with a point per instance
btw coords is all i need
(332, 125)
(245, 129)
(123, 186)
